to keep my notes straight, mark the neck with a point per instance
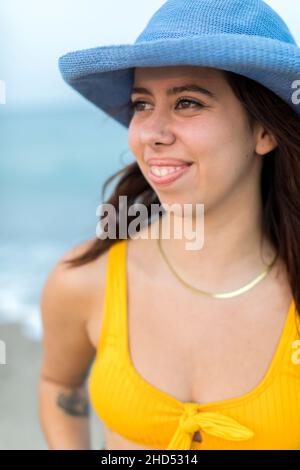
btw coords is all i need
(227, 252)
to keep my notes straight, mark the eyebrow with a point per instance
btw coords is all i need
(178, 89)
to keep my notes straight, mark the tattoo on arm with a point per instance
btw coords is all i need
(74, 403)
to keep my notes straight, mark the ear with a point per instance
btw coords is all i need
(265, 141)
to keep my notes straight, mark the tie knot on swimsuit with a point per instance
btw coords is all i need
(194, 419)
(187, 421)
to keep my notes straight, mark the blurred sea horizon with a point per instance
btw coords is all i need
(53, 164)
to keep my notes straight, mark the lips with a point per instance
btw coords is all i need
(167, 162)
(166, 179)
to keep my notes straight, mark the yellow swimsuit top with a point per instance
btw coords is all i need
(267, 417)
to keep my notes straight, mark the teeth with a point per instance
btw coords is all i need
(163, 171)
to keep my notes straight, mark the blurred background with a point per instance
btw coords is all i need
(56, 150)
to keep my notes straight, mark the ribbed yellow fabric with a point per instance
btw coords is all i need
(267, 417)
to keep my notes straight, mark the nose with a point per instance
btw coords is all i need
(156, 129)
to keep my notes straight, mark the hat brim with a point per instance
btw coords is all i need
(104, 75)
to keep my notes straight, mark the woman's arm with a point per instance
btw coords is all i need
(67, 356)
(64, 415)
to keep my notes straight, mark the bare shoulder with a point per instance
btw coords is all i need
(78, 286)
(69, 298)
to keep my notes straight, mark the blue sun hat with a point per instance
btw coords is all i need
(243, 36)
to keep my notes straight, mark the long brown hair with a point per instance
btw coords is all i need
(280, 179)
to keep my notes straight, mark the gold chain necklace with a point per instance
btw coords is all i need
(225, 295)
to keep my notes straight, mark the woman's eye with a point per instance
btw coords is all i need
(134, 105)
(184, 100)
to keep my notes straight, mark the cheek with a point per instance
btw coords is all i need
(137, 149)
(134, 142)
(204, 142)
(221, 143)
(223, 152)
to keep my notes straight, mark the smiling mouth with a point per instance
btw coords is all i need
(164, 170)
(163, 175)
(167, 162)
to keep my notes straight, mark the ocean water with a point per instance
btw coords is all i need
(52, 167)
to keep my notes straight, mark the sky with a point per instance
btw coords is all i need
(36, 33)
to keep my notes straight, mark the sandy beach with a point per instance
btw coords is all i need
(19, 422)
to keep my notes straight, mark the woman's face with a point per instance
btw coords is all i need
(211, 132)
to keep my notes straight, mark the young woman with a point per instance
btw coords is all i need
(190, 348)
